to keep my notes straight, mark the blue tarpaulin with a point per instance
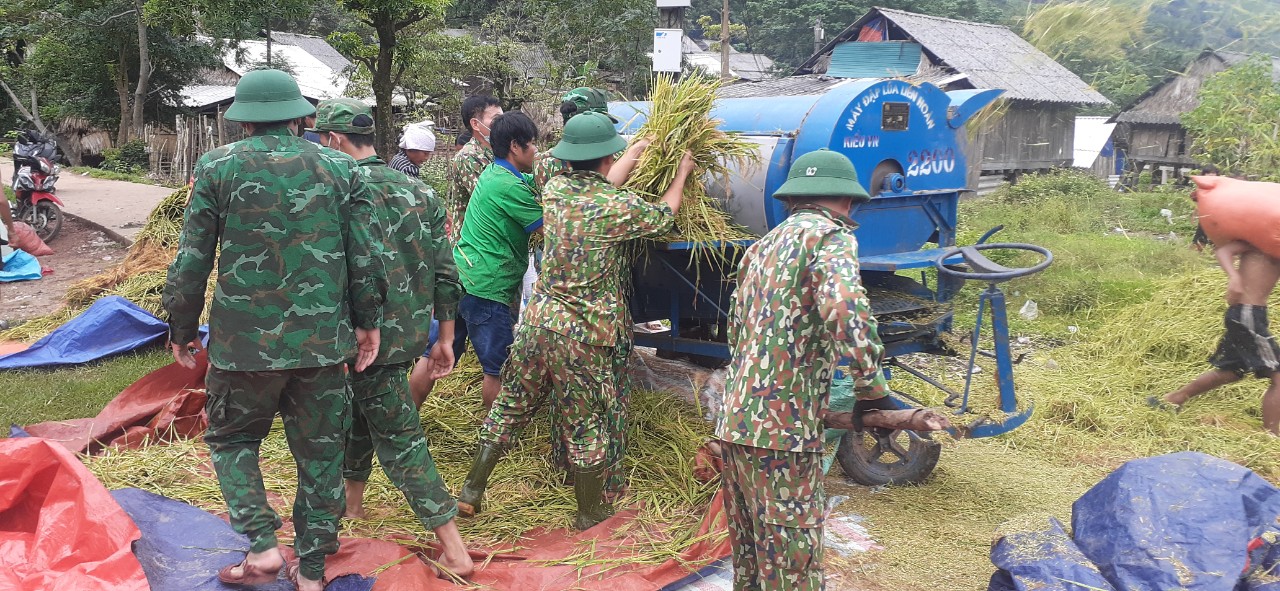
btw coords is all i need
(20, 266)
(110, 326)
(1044, 560)
(1178, 521)
(182, 547)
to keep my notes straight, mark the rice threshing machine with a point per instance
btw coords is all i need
(905, 142)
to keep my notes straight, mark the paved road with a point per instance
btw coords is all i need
(118, 206)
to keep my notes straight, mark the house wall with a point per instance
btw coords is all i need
(1161, 144)
(1029, 136)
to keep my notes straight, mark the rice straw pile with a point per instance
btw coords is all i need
(525, 491)
(680, 120)
(1091, 396)
(139, 278)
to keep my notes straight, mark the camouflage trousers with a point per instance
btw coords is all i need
(774, 504)
(384, 418)
(314, 404)
(578, 379)
(615, 477)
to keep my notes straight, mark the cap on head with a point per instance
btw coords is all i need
(344, 115)
(822, 173)
(264, 96)
(418, 137)
(588, 136)
(589, 99)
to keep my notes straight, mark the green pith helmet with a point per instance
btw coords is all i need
(588, 136)
(588, 99)
(343, 115)
(822, 173)
(264, 96)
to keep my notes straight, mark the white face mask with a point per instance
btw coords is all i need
(486, 131)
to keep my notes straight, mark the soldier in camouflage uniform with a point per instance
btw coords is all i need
(422, 281)
(798, 310)
(582, 100)
(564, 346)
(578, 100)
(300, 293)
(464, 171)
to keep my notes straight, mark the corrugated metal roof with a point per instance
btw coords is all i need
(203, 95)
(820, 84)
(746, 66)
(874, 60)
(790, 86)
(991, 56)
(315, 46)
(315, 78)
(1091, 136)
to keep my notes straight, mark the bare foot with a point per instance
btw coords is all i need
(460, 566)
(305, 584)
(453, 557)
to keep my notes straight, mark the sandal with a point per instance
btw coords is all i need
(248, 575)
(292, 574)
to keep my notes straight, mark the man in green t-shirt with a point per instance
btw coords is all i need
(492, 254)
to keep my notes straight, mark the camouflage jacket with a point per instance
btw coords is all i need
(799, 309)
(292, 228)
(545, 167)
(418, 259)
(587, 223)
(464, 170)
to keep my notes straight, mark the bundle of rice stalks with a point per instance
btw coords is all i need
(525, 491)
(680, 120)
(139, 277)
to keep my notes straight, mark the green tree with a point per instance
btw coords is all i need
(380, 53)
(83, 58)
(1237, 124)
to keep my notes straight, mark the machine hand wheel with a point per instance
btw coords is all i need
(900, 457)
(985, 269)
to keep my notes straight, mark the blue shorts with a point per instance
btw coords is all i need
(491, 327)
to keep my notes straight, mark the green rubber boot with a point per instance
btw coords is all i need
(477, 479)
(588, 486)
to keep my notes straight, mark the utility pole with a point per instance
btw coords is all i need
(819, 35)
(724, 41)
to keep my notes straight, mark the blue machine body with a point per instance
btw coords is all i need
(904, 141)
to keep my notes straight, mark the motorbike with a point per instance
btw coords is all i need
(35, 173)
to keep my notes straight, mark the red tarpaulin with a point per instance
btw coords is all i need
(167, 401)
(170, 401)
(533, 567)
(60, 530)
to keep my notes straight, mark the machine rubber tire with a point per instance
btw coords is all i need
(857, 447)
(51, 215)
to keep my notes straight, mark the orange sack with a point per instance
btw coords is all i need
(1232, 209)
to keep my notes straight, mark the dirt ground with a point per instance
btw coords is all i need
(80, 251)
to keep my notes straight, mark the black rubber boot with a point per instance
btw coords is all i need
(477, 479)
(588, 484)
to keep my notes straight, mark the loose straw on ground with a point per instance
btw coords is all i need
(525, 493)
